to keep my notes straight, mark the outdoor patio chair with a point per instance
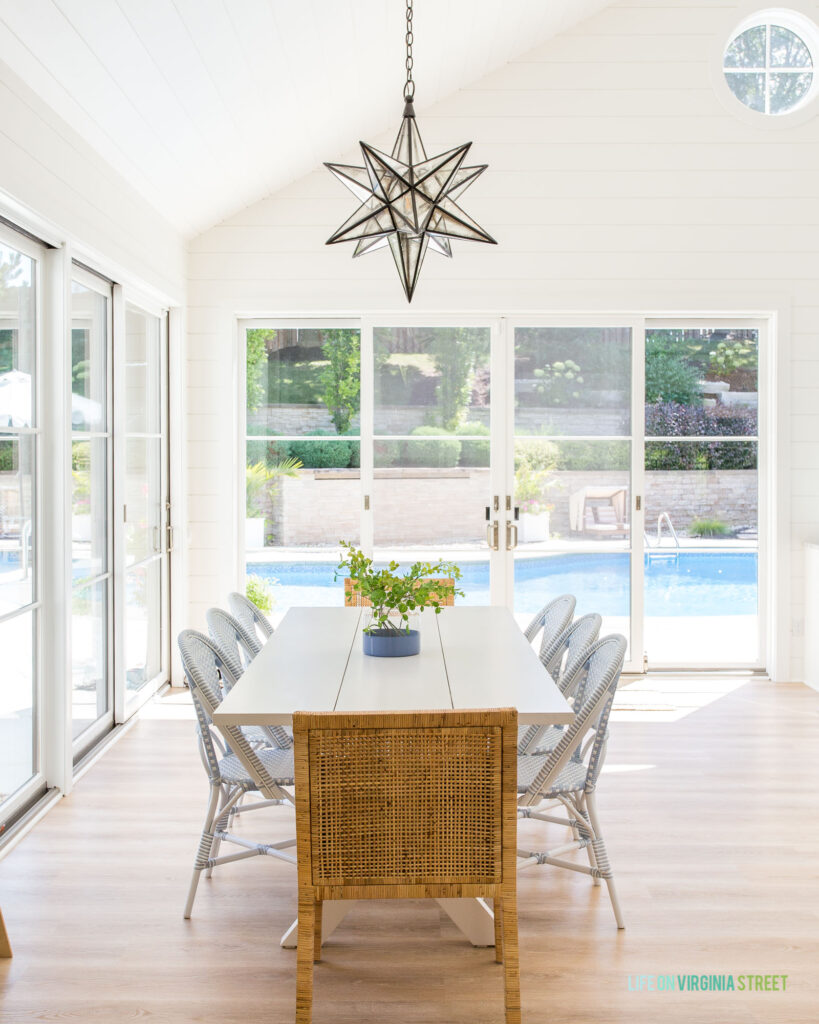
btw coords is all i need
(565, 661)
(568, 774)
(229, 636)
(424, 808)
(229, 779)
(252, 618)
(353, 598)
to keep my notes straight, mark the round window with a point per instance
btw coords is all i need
(769, 63)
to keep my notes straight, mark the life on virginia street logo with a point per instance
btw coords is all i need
(707, 982)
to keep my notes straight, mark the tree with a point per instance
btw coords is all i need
(455, 353)
(256, 364)
(341, 378)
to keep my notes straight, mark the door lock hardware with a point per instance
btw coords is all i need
(511, 536)
(493, 535)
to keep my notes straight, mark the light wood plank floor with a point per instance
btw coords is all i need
(712, 829)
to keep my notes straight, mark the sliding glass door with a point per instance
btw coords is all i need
(21, 757)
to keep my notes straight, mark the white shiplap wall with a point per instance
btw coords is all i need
(617, 181)
(46, 168)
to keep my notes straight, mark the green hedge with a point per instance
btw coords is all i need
(474, 453)
(441, 453)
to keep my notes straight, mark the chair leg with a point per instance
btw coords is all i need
(602, 858)
(222, 824)
(497, 907)
(317, 933)
(511, 967)
(205, 845)
(589, 847)
(304, 958)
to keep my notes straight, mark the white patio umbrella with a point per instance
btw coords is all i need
(15, 403)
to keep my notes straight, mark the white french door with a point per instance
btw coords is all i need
(609, 456)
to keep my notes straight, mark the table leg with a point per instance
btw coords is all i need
(332, 914)
(474, 917)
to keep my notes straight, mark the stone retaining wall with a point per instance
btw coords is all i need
(417, 506)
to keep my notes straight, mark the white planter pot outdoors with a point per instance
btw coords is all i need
(534, 527)
(254, 532)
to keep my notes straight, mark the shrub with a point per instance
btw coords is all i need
(387, 453)
(592, 455)
(7, 456)
(271, 453)
(708, 528)
(474, 453)
(322, 454)
(260, 592)
(671, 378)
(672, 419)
(539, 454)
(355, 454)
(439, 454)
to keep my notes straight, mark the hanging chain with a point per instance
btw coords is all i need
(409, 88)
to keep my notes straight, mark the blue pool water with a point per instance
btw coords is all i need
(701, 583)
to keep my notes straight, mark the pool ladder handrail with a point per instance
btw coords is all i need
(664, 516)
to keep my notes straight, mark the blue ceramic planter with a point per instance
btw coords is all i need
(382, 643)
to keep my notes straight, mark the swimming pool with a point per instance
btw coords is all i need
(688, 583)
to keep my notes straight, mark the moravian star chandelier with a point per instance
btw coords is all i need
(407, 198)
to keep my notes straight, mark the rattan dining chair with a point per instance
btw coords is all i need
(354, 599)
(228, 777)
(406, 806)
(230, 639)
(251, 617)
(565, 662)
(568, 774)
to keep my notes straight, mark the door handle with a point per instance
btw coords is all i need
(511, 536)
(493, 535)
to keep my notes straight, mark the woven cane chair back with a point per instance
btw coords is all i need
(353, 598)
(202, 660)
(604, 663)
(231, 637)
(249, 614)
(252, 618)
(569, 654)
(396, 805)
(553, 618)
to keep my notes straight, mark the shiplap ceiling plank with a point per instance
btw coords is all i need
(206, 106)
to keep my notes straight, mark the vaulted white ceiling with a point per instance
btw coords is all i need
(205, 106)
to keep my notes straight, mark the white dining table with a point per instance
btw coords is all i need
(470, 658)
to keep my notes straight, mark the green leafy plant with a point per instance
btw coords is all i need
(730, 356)
(708, 528)
(341, 378)
(394, 597)
(260, 483)
(322, 454)
(456, 353)
(260, 592)
(441, 454)
(474, 453)
(559, 383)
(255, 364)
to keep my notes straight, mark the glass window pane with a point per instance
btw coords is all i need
(701, 383)
(302, 497)
(17, 337)
(17, 722)
(89, 507)
(787, 90)
(17, 552)
(788, 50)
(703, 582)
(747, 50)
(143, 513)
(572, 380)
(89, 341)
(89, 666)
(431, 377)
(748, 89)
(142, 372)
(302, 382)
(429, 501)
(143, 624)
